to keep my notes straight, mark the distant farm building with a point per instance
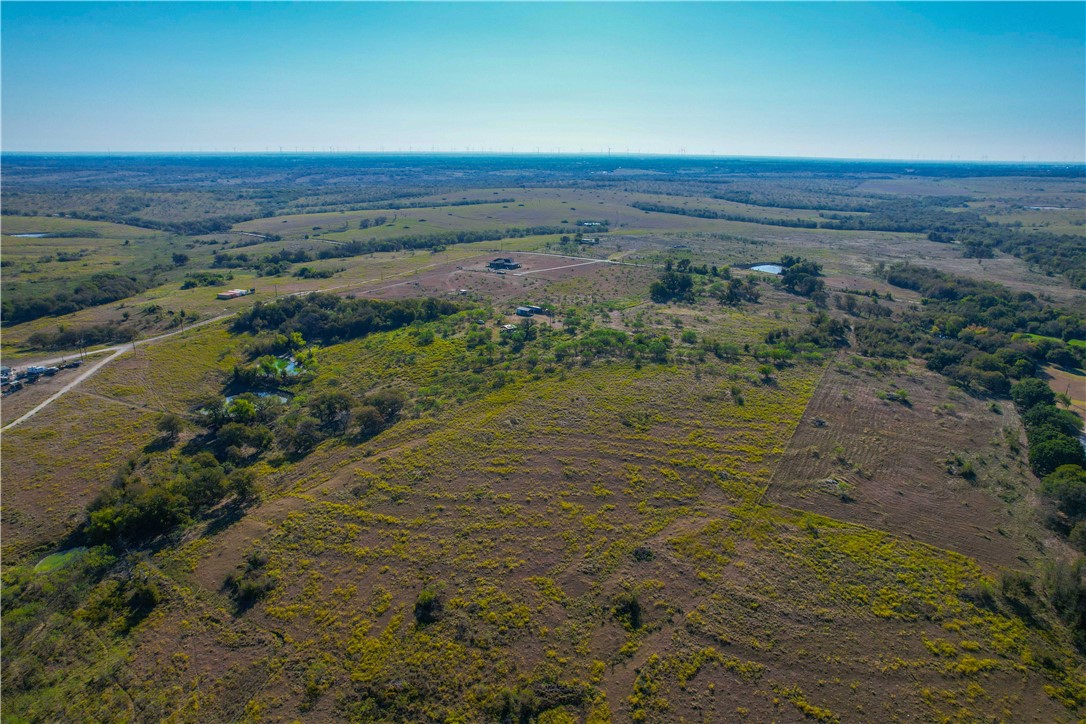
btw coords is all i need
(234, 293)
(503, 263)
(590, 223)
(524, 311)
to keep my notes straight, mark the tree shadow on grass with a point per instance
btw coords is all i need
(159, 444)
(225, 517)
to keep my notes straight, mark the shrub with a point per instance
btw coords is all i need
(387, 402)
(1078, 536)
(1067, 592)
(1066, 485)
(369, 421)
(1047, 456)
(1031, 392)
(428, 606)
(333, 409)
(627, 610)
(170, 425)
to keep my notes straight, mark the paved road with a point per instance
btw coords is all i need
(117, 351)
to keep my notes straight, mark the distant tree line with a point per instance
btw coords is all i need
(100, 288)
(726, 216)
(329, 318)
(752, 198)
(1055, 253)
(397, 205)
(280, 261)
(1063, 254)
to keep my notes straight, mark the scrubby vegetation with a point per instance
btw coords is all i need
(328, 318)
(973, 331)
(101, 288)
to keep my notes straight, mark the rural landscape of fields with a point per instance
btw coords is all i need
(542, 363)
(719, 439)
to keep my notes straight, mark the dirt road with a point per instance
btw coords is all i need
(116, 351)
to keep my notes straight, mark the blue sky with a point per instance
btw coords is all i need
(1002, 81)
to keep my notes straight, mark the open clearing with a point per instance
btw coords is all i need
(893, 465)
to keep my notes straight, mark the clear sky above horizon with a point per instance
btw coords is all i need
(976, 80)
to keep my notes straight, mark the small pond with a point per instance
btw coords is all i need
(31, 236)
(287, 365)
(768, 268)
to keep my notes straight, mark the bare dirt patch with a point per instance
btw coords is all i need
(902, 466)
(1070, 383)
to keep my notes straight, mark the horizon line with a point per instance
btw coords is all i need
(540, 154)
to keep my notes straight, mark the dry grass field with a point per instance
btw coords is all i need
(861, 455)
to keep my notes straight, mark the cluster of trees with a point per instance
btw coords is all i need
(1055, 253)
(954, 302)
(853, 304)
(672, 286)
(71, 338)
(974, 332)
(310, 273)
(205, 279)
(329, 318)
(791, 201)
(604, 343)
(151, 498)
(1052, 433)
(375, 221)
(267, 265)
(676, 282)
(144, 503)
(783, 346)
(1056, 454)
(801, 276)
(736, 291)
(101, 288)
(249, 425)
(685, 266)
(269, 371)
